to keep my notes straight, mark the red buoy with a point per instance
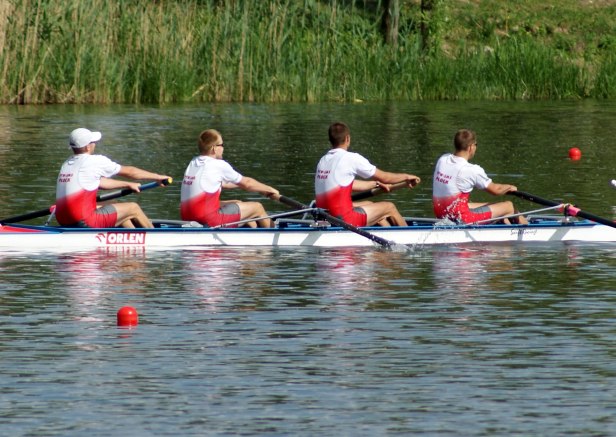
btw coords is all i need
(127, 316)
(575, 153)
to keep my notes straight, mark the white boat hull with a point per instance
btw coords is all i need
(22, 237)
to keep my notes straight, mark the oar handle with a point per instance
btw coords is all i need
(569, 209)
(376, 191)
(336, 221)
(289, 202)
(126, 191)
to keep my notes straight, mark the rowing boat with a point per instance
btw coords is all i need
(314, 233)
(316, 228)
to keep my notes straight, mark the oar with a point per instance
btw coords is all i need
(376, 191)
(100, 198)
(336, 221)
(29, 215)
(568, 209)
(126, 191)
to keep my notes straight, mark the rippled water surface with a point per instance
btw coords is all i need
(467, 340)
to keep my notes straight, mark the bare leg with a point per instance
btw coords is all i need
(130, 215)
(383, 222)
(521, 219)
(501, 209)
(383, 211)
(253, 210)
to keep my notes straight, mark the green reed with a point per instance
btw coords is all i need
(605, 86)
(149, 51)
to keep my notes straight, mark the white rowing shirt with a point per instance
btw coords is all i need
(77, 185)
(454, 178)
(333, 181)
(201, 187)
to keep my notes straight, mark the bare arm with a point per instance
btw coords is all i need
(250, 184)
(114, 184)
(500, 189)
(386, 177)
(361, 185)
(131, 172)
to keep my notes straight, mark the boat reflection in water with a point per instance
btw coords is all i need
(94, 279)
(227, 278)
(501, 282)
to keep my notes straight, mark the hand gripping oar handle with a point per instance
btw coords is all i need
(100, 198)
(568, 209)
(336, 221)
(376, 191)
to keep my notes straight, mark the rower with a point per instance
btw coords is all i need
(206, 176)
(454, 179)
(83, 174)
(335, 179)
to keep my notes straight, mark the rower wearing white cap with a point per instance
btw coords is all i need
(83, 174)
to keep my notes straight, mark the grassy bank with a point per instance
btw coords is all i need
(106, 51)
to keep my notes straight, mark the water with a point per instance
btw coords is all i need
(495, 340)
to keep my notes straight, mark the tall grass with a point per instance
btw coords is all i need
(149, 51)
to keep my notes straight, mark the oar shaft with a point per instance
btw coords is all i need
(569, 209)
(572, 210)
(126, 191)
(533, 198)
(336, 221)
(28, 216)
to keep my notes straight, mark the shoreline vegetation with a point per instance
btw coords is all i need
(165, 51)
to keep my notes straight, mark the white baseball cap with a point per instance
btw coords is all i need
(82, 137)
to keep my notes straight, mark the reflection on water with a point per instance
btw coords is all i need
(213, 274)
(90, 278)
(345, 271)
(310, 341)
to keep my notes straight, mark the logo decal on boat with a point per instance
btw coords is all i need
(523, 232)
(121, 237)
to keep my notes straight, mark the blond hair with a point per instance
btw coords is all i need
(208, 139)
